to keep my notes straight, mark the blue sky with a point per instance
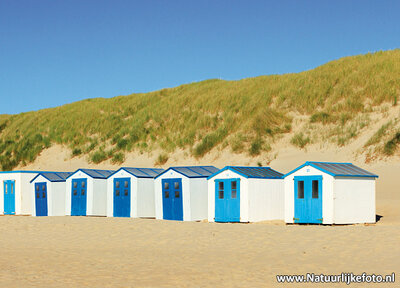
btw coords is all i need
(54, 52)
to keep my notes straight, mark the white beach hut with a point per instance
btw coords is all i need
(130, 192)
(329, 193)
(86, 193)
(245, 194)
(15, 192)
(48, 193)
(181, 193)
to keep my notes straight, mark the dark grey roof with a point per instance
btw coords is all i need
(257, 172)
(343, 169)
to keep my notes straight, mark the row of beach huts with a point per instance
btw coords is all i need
(315, 192)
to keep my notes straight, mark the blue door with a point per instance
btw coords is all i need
(307, 199)
(41, 199)
(227, 200)
(172, 199)
(122, 197)
(9, 197)
(78, 197)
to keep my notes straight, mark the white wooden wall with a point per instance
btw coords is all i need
(266, 199)
(354, 200)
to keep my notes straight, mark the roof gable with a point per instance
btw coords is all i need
(193, 171)
(94, 173)
(251, 172)
(53, 176)
(140, 172)
(336, 169)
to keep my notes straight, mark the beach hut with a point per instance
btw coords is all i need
(181, 193)
(48, 193)
(86, 192)
(329, 193)
(245, 194)
(130, 192)
(15, 192)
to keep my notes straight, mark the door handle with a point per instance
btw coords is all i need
(296, 219)
(322, 219)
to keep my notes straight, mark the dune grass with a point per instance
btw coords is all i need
(200, 116)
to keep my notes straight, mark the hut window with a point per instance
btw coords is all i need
(166, 185)
(117, 193)
(12, 188)
(300, 189)
(6, 189)
(126, 184)
(43, 187)
(44, 195)
(166, 194)
(37, 187)
(233, 189)
(117, 184)
(221, 190)
(315, 189)
(38, 195)
(83, 192)
(75, 193)
(83, 184)
(177, 194)
(75, 184)
(176, 185)
(126, 192)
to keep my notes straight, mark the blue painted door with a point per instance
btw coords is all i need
(227, 200)
(172, 199)
(78, 197)
(41, 199)
(9, 197)
(308, 199)
(122, 197)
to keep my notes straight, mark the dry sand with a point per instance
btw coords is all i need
(111, 252)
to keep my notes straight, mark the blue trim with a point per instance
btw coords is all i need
(174, 169)
(140, 169)
(311, 163)
(232, 168)
(21, 171)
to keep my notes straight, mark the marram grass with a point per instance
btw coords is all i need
(203, 115)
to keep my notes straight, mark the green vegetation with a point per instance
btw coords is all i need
(323, 118)
(379, 134)
(161, 159)
(391, 145)
(300, 140)
(201, 116)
